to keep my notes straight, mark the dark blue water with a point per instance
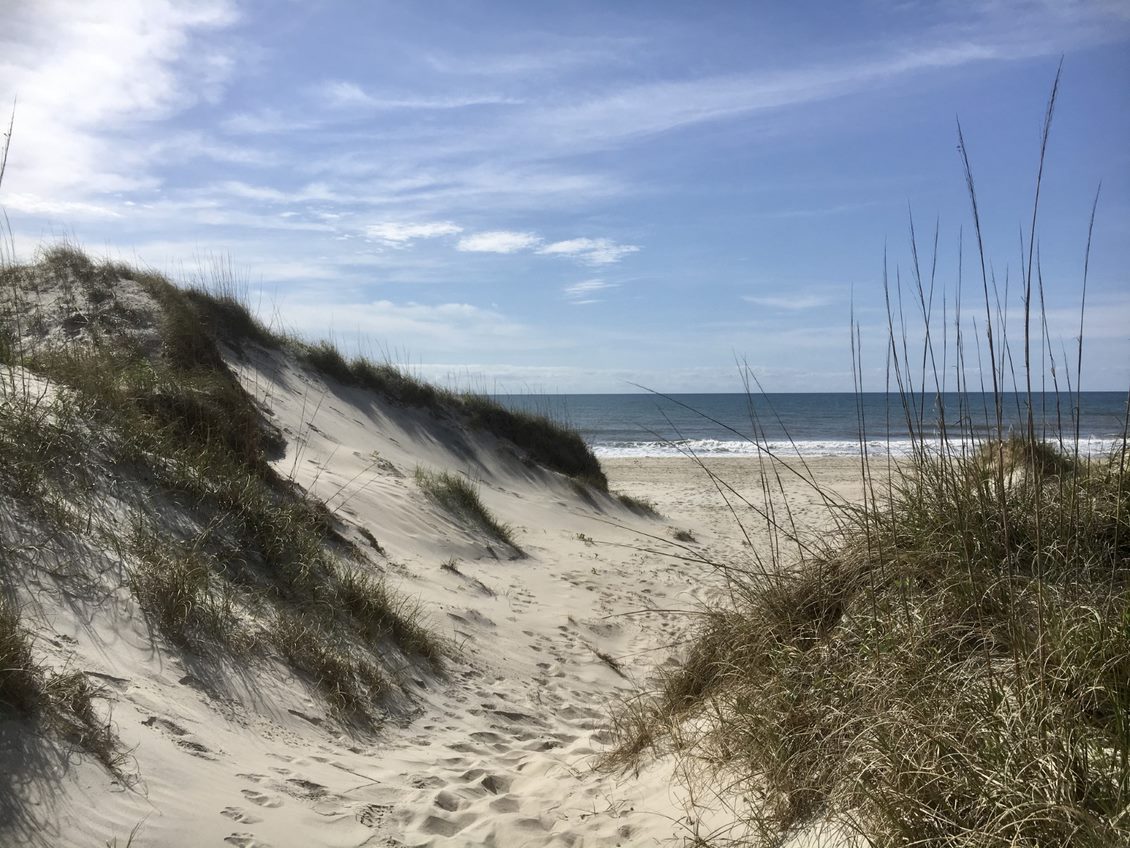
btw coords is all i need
(818, 423)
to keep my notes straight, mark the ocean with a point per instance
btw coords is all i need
(812, 424)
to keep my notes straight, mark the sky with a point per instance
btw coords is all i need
(583, 197)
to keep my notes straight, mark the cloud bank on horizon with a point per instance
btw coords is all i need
(580, 198)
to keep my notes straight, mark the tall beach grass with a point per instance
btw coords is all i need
(950, 663)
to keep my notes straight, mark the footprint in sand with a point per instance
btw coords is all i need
(448, 802)
(245, 840)
(306, 790)
(262, 799)
(239, 815)
(505, 804)
(373, 814)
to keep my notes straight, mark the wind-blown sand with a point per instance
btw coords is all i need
(498, 749)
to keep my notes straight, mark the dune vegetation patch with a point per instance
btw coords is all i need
(957, 664)
(638, 505)
(460, 496)
(114, 374)
(60, 701)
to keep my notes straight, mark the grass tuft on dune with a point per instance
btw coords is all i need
(461, 497)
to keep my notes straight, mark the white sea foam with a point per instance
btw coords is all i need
(785, 449)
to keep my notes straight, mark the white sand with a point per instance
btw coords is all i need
(498, 750)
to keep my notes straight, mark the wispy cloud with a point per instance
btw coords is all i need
(582, 293)
(561, 54)
(399, 234)
(436, 328)
(340, 94)
(599, 251)
(36, 205)
(792, 304)
(498, 241)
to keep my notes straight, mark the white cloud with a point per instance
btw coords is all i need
(498, 241)
(268, 121)
(581, 293)
(84, 74)
(600, 251)
(340, 94)
(400, 234)
(796, 303)
(35, 205)
(423, 328)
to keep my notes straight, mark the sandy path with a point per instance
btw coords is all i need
(496, 751)
(505, 757)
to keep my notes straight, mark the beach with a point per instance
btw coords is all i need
(543, 637)
(258, 594)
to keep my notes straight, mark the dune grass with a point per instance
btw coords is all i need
(546, 442)
(177, 586)
(459, 496)
(638, 505)
(951, 664)
(62, 701)
(163, 408)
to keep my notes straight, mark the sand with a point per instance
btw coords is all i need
(499, 749)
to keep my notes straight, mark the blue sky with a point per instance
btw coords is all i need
(574, 197)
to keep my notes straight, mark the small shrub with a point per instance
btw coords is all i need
(683, 536)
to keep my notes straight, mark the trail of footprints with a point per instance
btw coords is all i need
(515, 767)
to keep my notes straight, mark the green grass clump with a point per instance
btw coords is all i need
(640, 506)
(378, 614)
(178, 589)
(349, 683)
(459, 496)
(225, 317)
(62, 701)
(44, 436)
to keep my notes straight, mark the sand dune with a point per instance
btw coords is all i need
(495, 750)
